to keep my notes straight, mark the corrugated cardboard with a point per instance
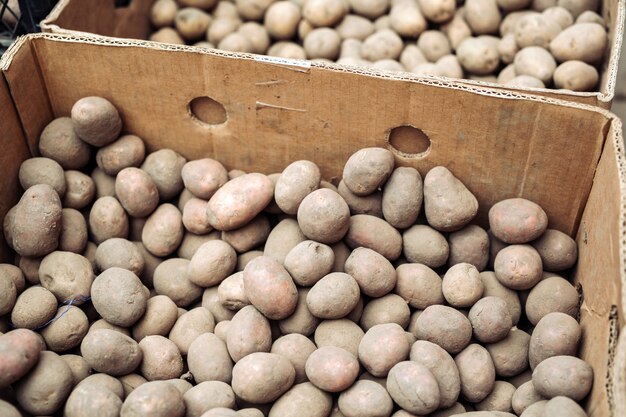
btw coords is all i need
(565, 156)
(103, 18)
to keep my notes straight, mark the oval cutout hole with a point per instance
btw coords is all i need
(409, 140)
(207, 110)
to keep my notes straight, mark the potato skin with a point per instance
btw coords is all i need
(67, 275)
(301, 321)
(111, 352)
(249, 332)
(518, 267)
(156, 398)
(553, 294)
(374, 233)
(419, 285)
(298, 180)
(341, 333)
(163, 231)
(59, 141)
(445, 327)
(582, 41)
(413, 387)
(309, 261)
(189, 326)
(563, 376)
(302, 398)
(262, 377)
(324, 216)
(107, 219)
(68, 329)
(477, 372)
(402, 197)
(270, 288)
(208, 359)
(554, 335)
(558, 251)
(334, 296)
(332, 369)
(33, 308)
(161, 358)
(517, 220)
(490, 319)
(207, 395)
(442, 366)
(89, 400)
(383, 346)
(425, 245)
(80, 190)
(96, 120)
(372, 271)
(19, 353)
(524, 396)
(365, 398)
(367, 169)
(159, 318)
(127, 151)
(118, 296)
(203, 177)
(136, 192)
(212, 263)
(510, 355)
(469, 245)
(182, 291)
(249, 236)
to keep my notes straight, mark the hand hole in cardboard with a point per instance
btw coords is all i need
(207, 111)
(122, 3)
(409, 142)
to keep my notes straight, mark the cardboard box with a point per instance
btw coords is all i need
(103, 18)
(565, 156)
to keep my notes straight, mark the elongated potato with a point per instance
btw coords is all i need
(476, 371)
(270, 288)
(510, 355)
(208, 359)
(419, 285)
(483, 16)
(517, 220)
(372, 271)
(212, 263)
(413, 387)
(582, 41)
(382, 347)
(341, 333)
(35, 171)
(262, 377)
(333, 296)
(365, 398)
(110, 352)
(249, 332)
(402, 197)
(425, 245)
(367, 169)
(445, 327)
(107, 219)
(443, 368)
(555, 334)
(374, 233)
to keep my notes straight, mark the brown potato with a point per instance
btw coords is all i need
(252, 192)
(324, 216)
(490, 319)
(582, 41)
(96, 121)
(127, 151)
(33, 308)
(231, 292)
(155, 398)
(406, 20)
(483, 16)
(390, 308)
(107, 219)
(425, 245)
(270, 288)
(257, 35)
(203, 177)
(372, 271)
(477, 372)
(374, 233)
(370, 204)
(208, 395)
(437, 11)
(59, 142)
(302, 399)
(558, 251)
(287, 50)
(118, 296)
(249, 332)
(448, 204)
(163, 231)
(164, 167)
(322, 43)
(262, 377)
(553, 294)
(382, 347)
(297, 348)
(67, 330)
(191, 242)
(208, 359)
(510, 355)
(111, 352)
(469, 245)
(536, 29)
(19, 353)
(161, 358)
(434, 44)
(211, 301)
(73, 237)
(36, 223)
(80, 190)
(517, 220)
(563, 406)
(333, 296)
(103, 382)
(30, 268)
(566, 376)
(309, 261)
(478, 56)
(249, 236)
(443, 368)
(89, 400)
(341, 333)
(419, 285)
(167, 35)
(298, 180)
(282, 239)
(445, 327)
(462, 286)
(301, 321)
(518, 267)
(212, 262)
(159, 318)
(105, 184)
(493, 287)
(367, 170)
(103, 324)
(354, 27)
(525, 396)
(136, 192)
(456, 29)
(332, 369)
(67, 275)
(181, 291)
(555, 334)
(46, 387)
(189, 326)
(324, 12)
(122, 253)
(499, 399)
(79, 367)
(402, 197)
(365, 398)
(413, 387)
(8, 294)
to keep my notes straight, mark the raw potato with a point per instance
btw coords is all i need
(334, 296)
(582, 41)
(558, 251)
(402, 197)
(437, 11)
(325, 13)
(110, 352)
(445, 327)
(469, 245)
(555, 334)
(163, 13)
(462, 286)
(302, 399)
(208, 395)
(136, 192)
(563, 376)
(249, 332)
(127, 151)
(231, 292)
(96, 121)
(235, 42)
(156, 398)
(374, 233)
(189, 326)
(287, 50)
(563, 406)
(103, 381)
(46, 387)
(301, 321)
(165, 166)
(163, 231)
(309, 261)
(499, 399)
(19, 352)
(507, 48)
(332, 369)
(510, 355)
(448, 204)
(517, 220)
(372, 271)
(220, 28)
(270, 288)
(120, 253)
(341, 333)
(67, 330)
(159, 318)
(212, 262)
(443, 368)
(107, 219)
(118, 297)
(36, 222)
(406, 20)
(434, 44)
(536, 29)
(161, 358)
(262, 377)
(59, 141)
(476, 371)
(382, 347)
(413, 387)
(483, 16)
(249, 236)
(33, 308)
(73, 236)
(369, 8)
(370, 204)
(456, 29)
(490, 319)
(257, 36)
(67, 275)
(281, 20)
(297, 348)
(419, 285)
(167, 35)
(208, 359)
(425, 245)
(525, 396)
(105, 184)
(518, 267)
(191, 23)
(89, 400)
(181, 291)
(322, 43)
(80, 190)
(365, 399)
(553, 294)
(478, 55)
(323, 216)
(354, 27)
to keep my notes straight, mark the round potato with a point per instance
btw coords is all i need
(419, 285)
(493, 287)
(483, 16)
(33, 308)
(208, 359)
(369, 8)
(555, 334)
(461, 285)
(469, 245)
(163, 231)
(60, 142)
(301, 321)
(80, 190)
(324, 216)
(424, 245)
(136, 192)
(127, 151)
(322, 43)
(181, 291)
(558, 251)
(231, 292)
(332, 369)
(73, 237)
(167, 35)
(371, 204)
(67, 329)
(406, 20)
(163, 13)
(159, 318)
(445, 327)
(563, 375)
(368, 169)
(490, 319)
(518, 267)
(324, 13)
(525, 396)
(282, 239)
(354, 27)
(203, 177)
(96, 120)
(365, 399)
(582, 41)
(298, 180)
(249, 332)
(117, 295)
(499, 399)
(89, 400)
(104, 184)
(161, 358)
(155, 398)
(107, 219)
(302, 399)
(67, 275)
(164, 167)
(553, 294)
(536, 29)
(341, 333)
(478, 56)
(262, 377)
(19, 353)
(122, 253)
(110, 352)
(382, 347)
(517, 220)
(510, 355)
(437, 11)
(257, 35)
(333, 296)
(413, 387)
(309, 261)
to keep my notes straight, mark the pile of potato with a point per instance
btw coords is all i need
(524, 43)
(157, 286)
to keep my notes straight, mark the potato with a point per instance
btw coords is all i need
(163, 13)
(448, 204)
(67, 330)
(402, 197)
(559, 15)
(334, 296)
(522, 378)
(301, 321)
(456, 29)
(443, 368)
(8, 294)
(499, 399)
(163, 231)
(220, 412)
(67, 275)
(96, 121)
(161, 358)
(341, 333)
(588, 16)
(80, 190)
(59, 142)
(191, 242)
(189, 326)
(388, 65)
(167, 35)
(127, 151)
(536, 29)
(425, 245)
(103, 382)
(302, 399)
(118, 297)
(461, 286)
(332, 369)
(297, 181)
(370, 204)
(469, 245)
(374, 233)
(36, 222)
(252, 192)
(194, 217)
(211, 301)
(231, 292)
(270, 288)
(524, 396)
(582, 41)
(79, 367)
(390, 308)
(576, 8)
(490, 319)
(323, 216)
(131, 382)
(507, 48)
(512, 5)
(256, 35)
(283, 237)
(89, 400)
(563, 406)
(478, 56)
(428, 69)
(30, 268)
(262, 377)
(159, 318)
(555, 334)
(418, 285)
(222, 27)
(365, 398)
(111, 352)
(476, 371)
(155, 398)
(181, 291)
(576, 76)
(287, 50)
(449, 66)
(309, 261)
(73, 237)
(518, 267)
(235, 42)
(369, 8)
(373, 272)
(322, 43)
(510, 355)
(221, 329)
(136, 192)
(553, 294)
(212, 262)
(413, 387)
(351, 48)
(368, 169)
(103, 324)
(107, 219)
(434, 44)
(406, 20)
(249, 332)
(437, 11)
(445, 327)
(19, 352)
(566, 376)
(493, 287)
(191, 22)
(208, 359)
(353, 26)
(482, 16)
(411, 57)
(382, 347)
(324, 13)
(517, 220)
(281, 20)
(165, 168)
(122, 253)
(34, 307)
(249, 236)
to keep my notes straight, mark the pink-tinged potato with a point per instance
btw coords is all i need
(249, 332)
(189, 326)
(518, 267)
(324, 216)
(208, 359)
(107, 219)
(419, 285)
(297, 348)
(309, 261)
(163, 231)
(262, 377)
(156, 399)
(136, 192)
(382, 347)
(517, 220)
(204, 177)
(469, 245)
(111, 352)
(89, 400)
(239, 201)
(19, 352)
(333, 296)
(161, 358)
(413, 387)
(332, 369)
(558, 251)
(212, 263)
(270, 288)
(374, 233)
(249, 236)
(165, 166)
(552, 294)
(402, 197)
(302, 399)
(365, 398)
